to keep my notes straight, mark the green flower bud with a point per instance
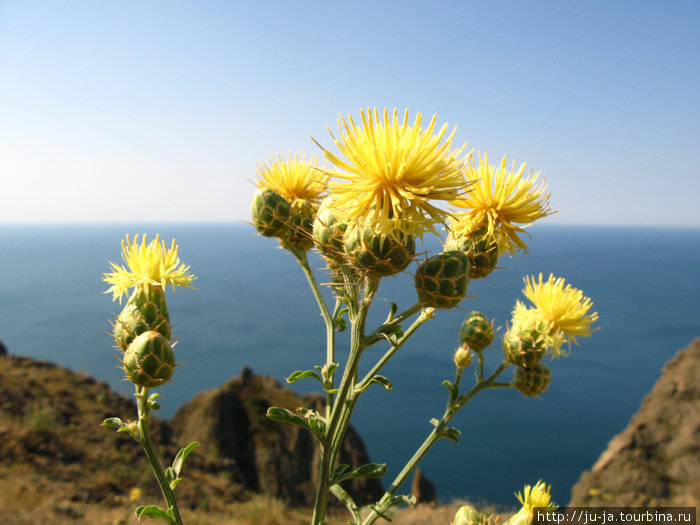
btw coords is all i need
(328, 233)
(270, 213)
(376, 254)
(149, 360)
(524, 347)
(442, 280)
(298, 230)
(462, 357)
(468, 515)
(145, 310)
(532, 381)
(476, 331)
(482, 253)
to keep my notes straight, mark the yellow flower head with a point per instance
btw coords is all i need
(149, 264)
(536, 496)
(391, 172)
(501, 200)
(563, 307)
(302, 183)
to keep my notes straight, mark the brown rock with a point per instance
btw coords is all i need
(278, 459)
(655, 461)
(423, 489)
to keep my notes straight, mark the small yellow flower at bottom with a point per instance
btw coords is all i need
(149, 264)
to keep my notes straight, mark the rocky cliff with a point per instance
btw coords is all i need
(53, 448)
(655, 461)
(274, 458)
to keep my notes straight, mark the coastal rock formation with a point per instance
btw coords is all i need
(423, 489)
(58, 456)
(655, 461)
(278, 459)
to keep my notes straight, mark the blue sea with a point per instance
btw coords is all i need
(252, 307)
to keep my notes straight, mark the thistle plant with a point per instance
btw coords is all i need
(142, 332)
(392, 184)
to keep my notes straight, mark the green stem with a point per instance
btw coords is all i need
(145, 434)
(343, 405)
(453, 406)
(377, 336)
(362, 385)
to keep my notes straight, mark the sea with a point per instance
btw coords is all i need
(252, 307)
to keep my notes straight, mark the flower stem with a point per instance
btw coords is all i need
(145, 435)
(453, 406)
(342, 407)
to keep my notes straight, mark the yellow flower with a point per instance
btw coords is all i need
(501, 200)
(302, 183)
(391, 172)
(563, 307)
(149, 264)
(532, 496)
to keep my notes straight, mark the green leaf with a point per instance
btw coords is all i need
(182, 456)
(434, 421)
(401, 500)
(153, 511)
(338, 471)
(452, 434)
(169, 474)
(349, 503)
(381, 380)
(370, 470)
(303, 374)
(392, 312)
(287, 416)
(341, 325)
(113, 422)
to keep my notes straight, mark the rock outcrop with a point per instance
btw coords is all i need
(277, 459)
(655, 461)
(54, 449)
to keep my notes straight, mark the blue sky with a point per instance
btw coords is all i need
(160, 111)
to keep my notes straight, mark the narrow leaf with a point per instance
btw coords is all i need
(381, 380)
(182, 456)
(153, 511)
(287, 416)
(302, 374)
(370, 470)
(113, 422)
(349, 503)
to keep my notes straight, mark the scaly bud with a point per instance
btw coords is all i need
(532, 381)
(377, 254)
(524, 347)
(442, 280)
(328, 233)
(143, 312)
(482, 251)
(270, 212)
(462, 357)
(476, 331)
(149, 360)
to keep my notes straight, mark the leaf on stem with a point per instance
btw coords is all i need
(370, 470)
(113, 422)
(452, 434)
(182, 456)
(349, 503)
(153, 511)
(287, 416)
(303, 374)
(392, 312)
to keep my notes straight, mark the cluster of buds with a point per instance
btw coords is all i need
(142, 330)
